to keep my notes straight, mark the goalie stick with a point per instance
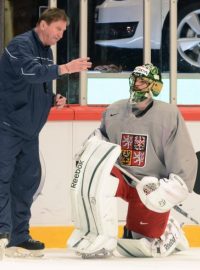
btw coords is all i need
(134, 181)
(197, 183)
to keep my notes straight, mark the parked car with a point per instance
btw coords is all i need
(119, 32)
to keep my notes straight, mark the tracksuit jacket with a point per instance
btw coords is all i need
(26, 74)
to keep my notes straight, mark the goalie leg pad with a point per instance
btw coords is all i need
(77, 203)
(74, 239)
(105, 212)
(134, 247)
(93, 198)
(80, 240)
(105, 216)
(171, 241)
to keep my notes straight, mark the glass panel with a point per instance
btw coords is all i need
(68, 49)
(118, 35)
(106, 90)
(18, 18)
(188, 91)
(118, 40)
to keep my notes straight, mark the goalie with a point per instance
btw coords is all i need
(149, 140)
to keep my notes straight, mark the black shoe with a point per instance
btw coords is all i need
(31, 244)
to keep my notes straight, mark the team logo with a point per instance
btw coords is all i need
(133, 150)
(77, 174)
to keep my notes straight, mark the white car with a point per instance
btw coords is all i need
(119, 24)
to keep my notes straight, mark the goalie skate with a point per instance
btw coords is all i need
(98, 254)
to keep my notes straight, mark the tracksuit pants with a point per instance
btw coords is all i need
(20, 174)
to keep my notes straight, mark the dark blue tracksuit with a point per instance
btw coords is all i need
(26, 74)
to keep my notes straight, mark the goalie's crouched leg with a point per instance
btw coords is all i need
(136, 245)
(147, 233)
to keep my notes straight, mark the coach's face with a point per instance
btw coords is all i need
(53, 32)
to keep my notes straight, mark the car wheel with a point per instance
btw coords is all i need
(188, 43)
(188, 39)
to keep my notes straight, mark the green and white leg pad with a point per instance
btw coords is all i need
(93, 202)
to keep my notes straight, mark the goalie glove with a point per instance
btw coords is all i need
(162, 195)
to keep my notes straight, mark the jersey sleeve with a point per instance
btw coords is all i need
(25, 63)
(180, 157)
(103, 126)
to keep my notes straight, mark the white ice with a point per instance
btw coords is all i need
(62, 259)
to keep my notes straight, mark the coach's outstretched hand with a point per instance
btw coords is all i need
(76, 65)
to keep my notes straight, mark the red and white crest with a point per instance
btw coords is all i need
(133, 148)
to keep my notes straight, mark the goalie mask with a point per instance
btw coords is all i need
(143, 81)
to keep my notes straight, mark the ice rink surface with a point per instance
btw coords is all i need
(61, 259)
